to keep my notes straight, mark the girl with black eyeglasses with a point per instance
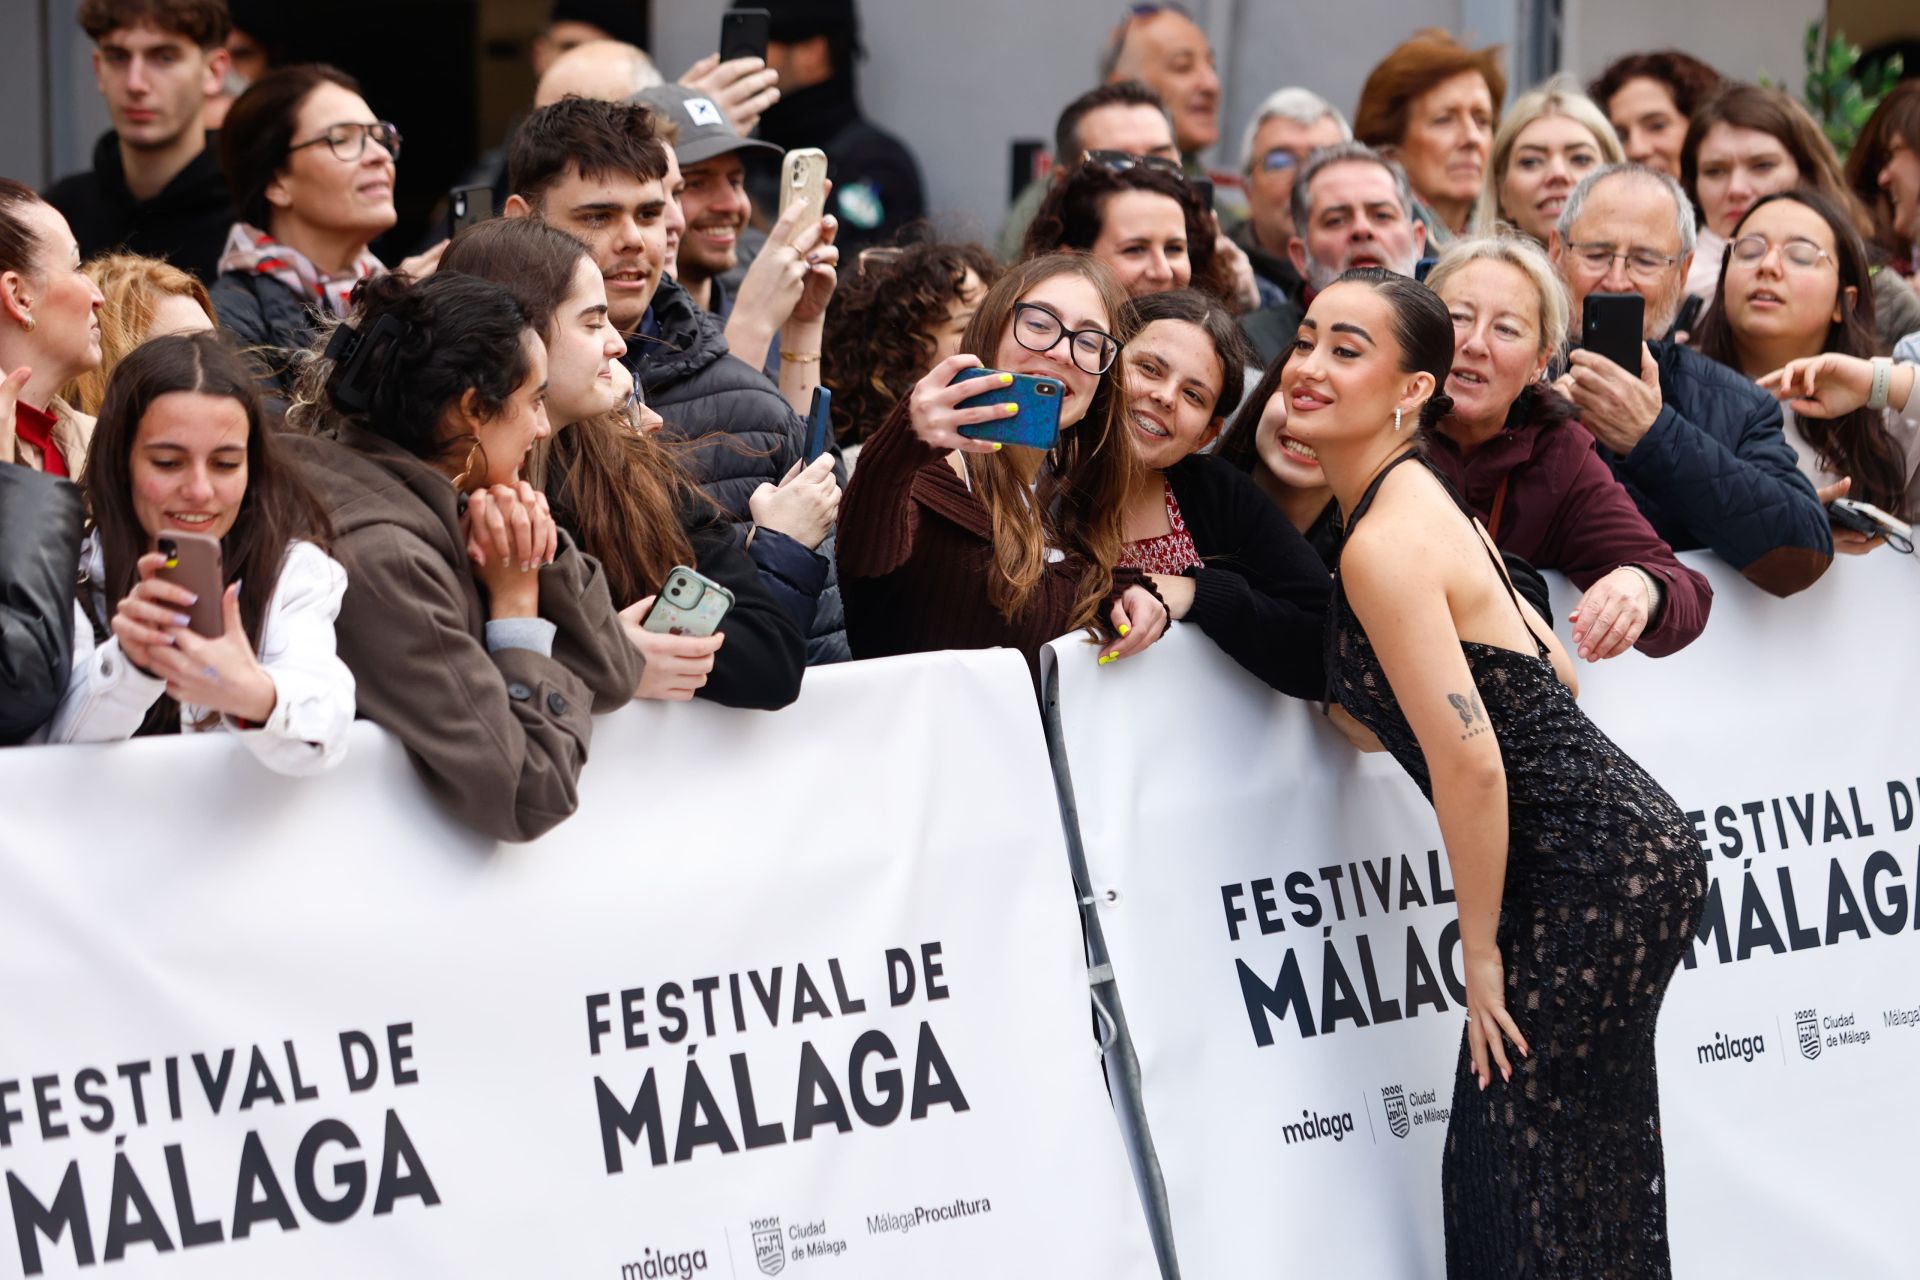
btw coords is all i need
(948, 542)
(312, 172)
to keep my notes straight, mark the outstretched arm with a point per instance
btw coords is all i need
(1398, 593)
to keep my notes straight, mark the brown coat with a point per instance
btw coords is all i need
(499, 737)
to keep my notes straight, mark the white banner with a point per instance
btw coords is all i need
(1278, 913)
(798, 993)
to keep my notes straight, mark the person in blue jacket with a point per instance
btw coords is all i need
(1700, 448)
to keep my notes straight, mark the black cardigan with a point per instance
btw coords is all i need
(1262, 592)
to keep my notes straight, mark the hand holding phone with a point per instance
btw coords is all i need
(192, 561)
(672, 667)
(690, 604)
(819, 424)
(1611, 324)
(803, 506)
(1864, 517)
(1035, 402)
(937, 408)
(744, 34)
(803, 182)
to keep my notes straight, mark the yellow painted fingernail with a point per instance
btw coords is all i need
(997, 446)
(1124, 628)
(1006, 379)
(1012, 409)
(1104, 661)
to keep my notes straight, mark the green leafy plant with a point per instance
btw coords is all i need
(1841, 93)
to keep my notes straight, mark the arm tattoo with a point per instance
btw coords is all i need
(1473, 717)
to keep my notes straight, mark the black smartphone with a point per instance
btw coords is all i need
(1202, 187)
(1610, 325)
(466, 207)
(743, 34)
(819, 424)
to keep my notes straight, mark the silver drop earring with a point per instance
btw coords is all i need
(1396, 417)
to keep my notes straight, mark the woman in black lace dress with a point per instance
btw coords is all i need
(1578, 879)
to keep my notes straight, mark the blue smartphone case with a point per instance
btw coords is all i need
(1037, 425)
(819, 424)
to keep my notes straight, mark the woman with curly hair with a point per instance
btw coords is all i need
(1143, 220)
(903, 312)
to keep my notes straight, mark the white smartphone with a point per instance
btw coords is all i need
(803, 181)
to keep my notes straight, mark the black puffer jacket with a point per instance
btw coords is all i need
(692, 382)
(1716, 471)
(265, 319)
(39, 563)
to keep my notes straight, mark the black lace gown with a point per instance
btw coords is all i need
(1558, 1173)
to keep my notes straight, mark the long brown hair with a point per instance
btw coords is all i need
(279, 508)
(1769, 111)
(1896, 118)
(620, 493)
(1854, 444)
(1079, 504)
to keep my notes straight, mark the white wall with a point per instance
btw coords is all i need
(1741, 38)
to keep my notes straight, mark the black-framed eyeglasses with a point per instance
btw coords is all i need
(1121, 161)
(348, 140)
(1038, 329)
(1643, 265)
(1799, 252)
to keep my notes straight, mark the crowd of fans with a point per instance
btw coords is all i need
(449, 490)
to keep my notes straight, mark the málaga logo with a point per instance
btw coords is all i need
(1394, 1099)
(768, 1252)
(1807, 1022)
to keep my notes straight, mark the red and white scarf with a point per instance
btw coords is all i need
(254, 252)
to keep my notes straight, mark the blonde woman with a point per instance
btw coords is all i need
(146, 298)
(1547, 141)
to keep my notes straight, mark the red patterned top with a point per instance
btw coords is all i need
(1171, 553)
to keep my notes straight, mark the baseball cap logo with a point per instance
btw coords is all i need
(702, 111)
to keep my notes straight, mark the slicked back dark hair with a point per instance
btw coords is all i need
(19, 246)
(205, 22)
(1067, 147)
(588, 136)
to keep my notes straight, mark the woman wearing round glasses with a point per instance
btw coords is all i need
(1794, 310)
(312, 173)
(1139, 217)
(950, 542)
(1750, 141)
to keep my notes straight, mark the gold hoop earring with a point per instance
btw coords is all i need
(473, 474)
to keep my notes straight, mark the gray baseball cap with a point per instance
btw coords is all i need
(705, 131)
